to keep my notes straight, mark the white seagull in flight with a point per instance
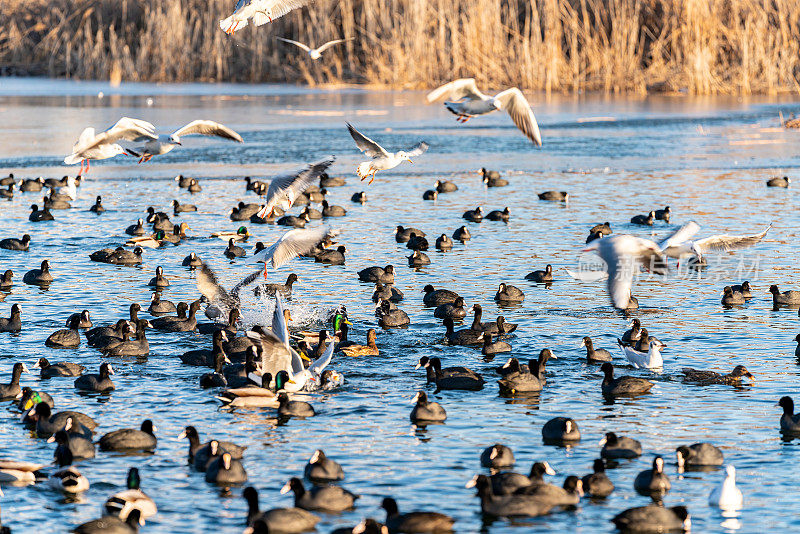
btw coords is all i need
(315, 53)
(157, 146)
(284, 190)
(468, 102)
(104, 145)
(381, 159)
(625, 254)
(261, 11)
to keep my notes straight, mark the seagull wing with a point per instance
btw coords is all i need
(210, 288)
(517, 106)
(624, 254)
(322, 362)
(293, 243)
(130, 129)
(204, 127)
(456, 90)
(125, 128)
(417, 149)
(281, 7)
(726, 243)
(367, 145)
(249, 279)
(679, 236)
(279, 326)
(274, 354)
(290, 186)
(329, 44)
(301, 45)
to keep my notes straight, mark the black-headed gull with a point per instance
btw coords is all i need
(467, 102)
(381, 159)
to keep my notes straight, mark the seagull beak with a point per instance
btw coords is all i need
(303, 356)
(409, 160)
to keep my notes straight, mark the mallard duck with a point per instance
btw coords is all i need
(19, 472)
(354, 349)
(122, 503)
(152, 241)
(68, 479)
(241, 234)
(255, 396)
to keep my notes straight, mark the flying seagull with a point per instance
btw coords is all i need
(468, 102)
(381, 159)
(714, 243)
(261, 11)
(292, 244)
(284, 190)
(217, 295)
(162, 144)
(315, 53)
(104, 145)
(625, 254)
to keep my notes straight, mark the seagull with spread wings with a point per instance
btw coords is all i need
(626, 254)
(467, 102)
(292, 244)
(104, 145)
(714, 243)
(261, 11)
(157, 146)
(314, 53)
(217, 295)
(284, 190)
(381, 159)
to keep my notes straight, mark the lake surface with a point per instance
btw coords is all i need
(707, 158)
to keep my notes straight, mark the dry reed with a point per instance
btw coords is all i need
(695, 46)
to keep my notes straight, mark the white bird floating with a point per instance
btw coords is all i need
(261, 11)
(469, 102)
(714, 243)
(315, 53)
(727, 496)
(381, 159)
(644, 360)
(157, 146)
(626, 254)
(104, 145)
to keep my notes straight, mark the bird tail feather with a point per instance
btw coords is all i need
(363, 169)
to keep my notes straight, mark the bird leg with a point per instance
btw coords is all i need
(87, 165)
(80, 171)
(145, 158)
(265, 269)
(373, 177)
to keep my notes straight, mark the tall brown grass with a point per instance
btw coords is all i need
(696, 46)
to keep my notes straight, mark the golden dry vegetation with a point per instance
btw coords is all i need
(697, 46)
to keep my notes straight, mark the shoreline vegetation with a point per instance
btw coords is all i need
(560, 46)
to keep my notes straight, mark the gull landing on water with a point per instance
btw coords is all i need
(381, 159)
(261, 11)
(315, 53)
(469, 102)
(157, 146)
(104, 145)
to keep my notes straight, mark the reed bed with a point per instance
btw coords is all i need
(570, 46)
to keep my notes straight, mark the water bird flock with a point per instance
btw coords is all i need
(275, 367)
